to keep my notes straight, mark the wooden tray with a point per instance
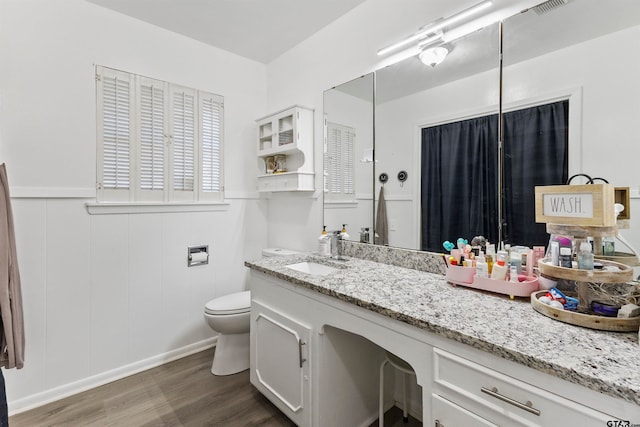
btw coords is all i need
(597, 276)
(623, 258)
(590, 321)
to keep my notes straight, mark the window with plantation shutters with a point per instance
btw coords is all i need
(114, 131)
(183, 141)
(211, 146)
(157, 141)
(339, 167)
(152, 138)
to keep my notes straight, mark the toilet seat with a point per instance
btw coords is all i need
(236, 303)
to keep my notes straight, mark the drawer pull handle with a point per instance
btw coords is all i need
(300, 358)
(525, 406)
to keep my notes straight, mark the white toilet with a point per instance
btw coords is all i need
(229, 315)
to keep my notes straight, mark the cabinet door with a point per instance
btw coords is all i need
(448, 414)
(279, 361)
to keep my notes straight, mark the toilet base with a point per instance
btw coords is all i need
(231, 355)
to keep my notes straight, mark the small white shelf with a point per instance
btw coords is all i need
(286, 181)
(288, 132)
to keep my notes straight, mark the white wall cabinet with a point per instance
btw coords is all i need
(286, 133)
(280, 361)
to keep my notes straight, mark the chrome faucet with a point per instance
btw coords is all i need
(336, 246)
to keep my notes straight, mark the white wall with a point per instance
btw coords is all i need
(105, 295)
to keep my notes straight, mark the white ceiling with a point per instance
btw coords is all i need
(257, 29)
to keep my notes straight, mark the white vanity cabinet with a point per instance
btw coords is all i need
(288, 135)
(280, 361)
(317, 358)
(465, 388)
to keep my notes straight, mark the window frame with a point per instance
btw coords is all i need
(168, 194)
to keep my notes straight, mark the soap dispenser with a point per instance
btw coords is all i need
(344, 233)
(324, 243)
(364, 235)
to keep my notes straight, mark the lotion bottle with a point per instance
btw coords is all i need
(482, 269)
(324, 244)
(585, 256)
(499, 271)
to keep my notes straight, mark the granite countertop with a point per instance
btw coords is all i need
(607, 362)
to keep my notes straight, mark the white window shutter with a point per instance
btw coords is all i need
(115, 91)
(340, 155)
(348, 142)
(211, 138)
(152, 124)
(183, 143)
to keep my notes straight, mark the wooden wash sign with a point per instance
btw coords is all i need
(591, 204)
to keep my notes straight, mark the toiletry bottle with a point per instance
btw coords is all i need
(554, 248)
(482, 269)
(515, 259)
(490, 257)
(344, 233)
(608, 246)
(513, 274)
(499, 267)
(364, 235)
(324, 243)
(565, 257)
(585, 256)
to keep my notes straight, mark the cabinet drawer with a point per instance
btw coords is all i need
(489, 392)
(448, 414)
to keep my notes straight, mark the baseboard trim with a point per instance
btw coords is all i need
(54, 394)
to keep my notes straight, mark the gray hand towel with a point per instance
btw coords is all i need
(382, 232)
(12, 338)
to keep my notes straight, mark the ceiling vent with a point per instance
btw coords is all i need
(548, 6)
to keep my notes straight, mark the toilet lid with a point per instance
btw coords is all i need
(239, 302)
(278, 252)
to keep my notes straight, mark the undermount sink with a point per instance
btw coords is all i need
(312, 268)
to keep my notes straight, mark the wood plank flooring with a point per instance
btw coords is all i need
(179, 393)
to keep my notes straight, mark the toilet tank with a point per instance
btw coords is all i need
(278, 252)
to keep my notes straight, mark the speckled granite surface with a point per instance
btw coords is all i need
(416, 260)
(606, 362)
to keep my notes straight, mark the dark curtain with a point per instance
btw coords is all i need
(4, 411)
(459, 194)
(535, 153)
(459, 181)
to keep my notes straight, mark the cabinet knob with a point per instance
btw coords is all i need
(439, 424)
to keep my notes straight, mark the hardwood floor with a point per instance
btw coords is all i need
(179, 393)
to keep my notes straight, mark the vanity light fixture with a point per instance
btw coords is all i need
(435, 27)
(433, 56)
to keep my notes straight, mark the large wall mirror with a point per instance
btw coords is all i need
(574, 66)
(348, 156)
(412, 96)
